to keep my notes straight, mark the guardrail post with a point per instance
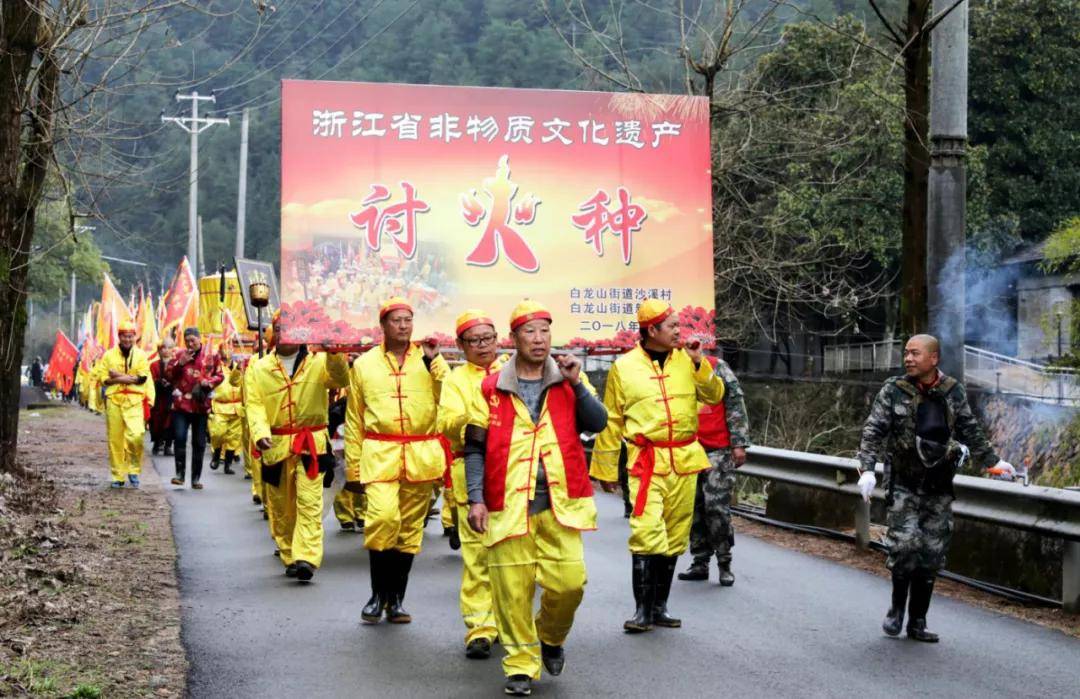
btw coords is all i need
(862, 524)
(1070, 577)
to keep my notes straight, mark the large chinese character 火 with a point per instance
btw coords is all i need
(501, 192)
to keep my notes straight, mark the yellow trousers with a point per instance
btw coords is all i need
(252, 467)
(348, 506)
(124, 427)
(225, 432)
(296, 507)
(476, 606)
(446, 516)
(394, 515)
(664, 527)
(552, 557)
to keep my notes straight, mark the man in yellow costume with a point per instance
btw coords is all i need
(226, 414)
(287, 393)
(653, 394)
(476, 338)
(394, 451)
(124, 370)
(529, 493)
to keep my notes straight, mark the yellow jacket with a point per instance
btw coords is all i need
(135, 364)
(528, 446)
(228, 395)
(457, 391)
(388, 400)
(277, 402)
(661, 406)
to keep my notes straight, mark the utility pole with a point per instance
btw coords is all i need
(241, 204)
(200, 268)
(946, 211)
(194, 125)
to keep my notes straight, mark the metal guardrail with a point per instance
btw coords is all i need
(1046, 511)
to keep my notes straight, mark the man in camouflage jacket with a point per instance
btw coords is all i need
(922, 428)
(724, 431)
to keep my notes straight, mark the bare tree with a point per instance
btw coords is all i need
(62, 65)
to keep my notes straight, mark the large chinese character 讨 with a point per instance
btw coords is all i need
(595, 219)
(501, 192)
(397, 220)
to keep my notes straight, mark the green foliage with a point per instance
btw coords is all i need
(57, 253)
(1062, 249)
(1025, 107)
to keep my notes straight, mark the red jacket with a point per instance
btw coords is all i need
(186, 377)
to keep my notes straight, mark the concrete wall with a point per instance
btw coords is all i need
(1039, 298)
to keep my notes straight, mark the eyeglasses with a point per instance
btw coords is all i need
(481, 341)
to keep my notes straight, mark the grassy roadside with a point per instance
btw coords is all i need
(89, 603)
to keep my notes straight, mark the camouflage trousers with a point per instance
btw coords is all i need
(711, 531)
(920, 529)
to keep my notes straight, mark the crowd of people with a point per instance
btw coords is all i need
(500, 437)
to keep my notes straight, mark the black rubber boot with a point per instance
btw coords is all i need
(304, 571)
(230, 457)
(373, 610)
(642, 580)
(922, 588)
(894, 619)
(478, 649)
(402, 564)
(553, 657)
(215, 460)
(727, 578)
(698, 570)
(663, 572)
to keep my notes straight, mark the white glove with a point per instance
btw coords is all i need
(867, 483)
(1004, 471)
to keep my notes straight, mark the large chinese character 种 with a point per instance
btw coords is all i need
(595, 219)
(397, 220)
(501, 191)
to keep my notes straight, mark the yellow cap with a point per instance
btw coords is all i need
(394, 303)
(471, 318)
(126, 326)
(526, 311)
(653, 311)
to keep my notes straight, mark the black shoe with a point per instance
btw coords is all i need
(359, 525)
(168, 450)
(215, 461)
(247, 476)
(266, 515)
(478, 649)
(304, 571)
(373, 610)
(348, 527)
(663, 572)
(455, 540)
(894, 619)
(554, 658)
(916, 630)
(727, 578)
(291, 570)
(698, 570)
(256, 499)
(922, 588)
(399, 580)
(644, 591)
(518, 685)
(156, 448)
(228, 471)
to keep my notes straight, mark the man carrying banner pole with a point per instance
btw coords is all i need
(287, 395)
(125, 372)
(652, 395)
(477, 339)
(392, 447)
(529, 493)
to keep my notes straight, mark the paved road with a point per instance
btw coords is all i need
(793, 625)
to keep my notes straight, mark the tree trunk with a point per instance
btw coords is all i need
(26, 144)
(913, 298)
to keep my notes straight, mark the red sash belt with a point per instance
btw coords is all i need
(645, 464)
(448, 452)
(304, 438)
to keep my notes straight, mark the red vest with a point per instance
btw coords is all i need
(559, 408)
(713, 430)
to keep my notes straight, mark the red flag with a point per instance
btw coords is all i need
(61, 371)
(182, 293)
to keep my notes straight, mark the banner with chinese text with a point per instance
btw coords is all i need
(478, 197)
(61, 370)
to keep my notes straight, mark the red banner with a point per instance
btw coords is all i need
(61, 370)
(182, 293)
